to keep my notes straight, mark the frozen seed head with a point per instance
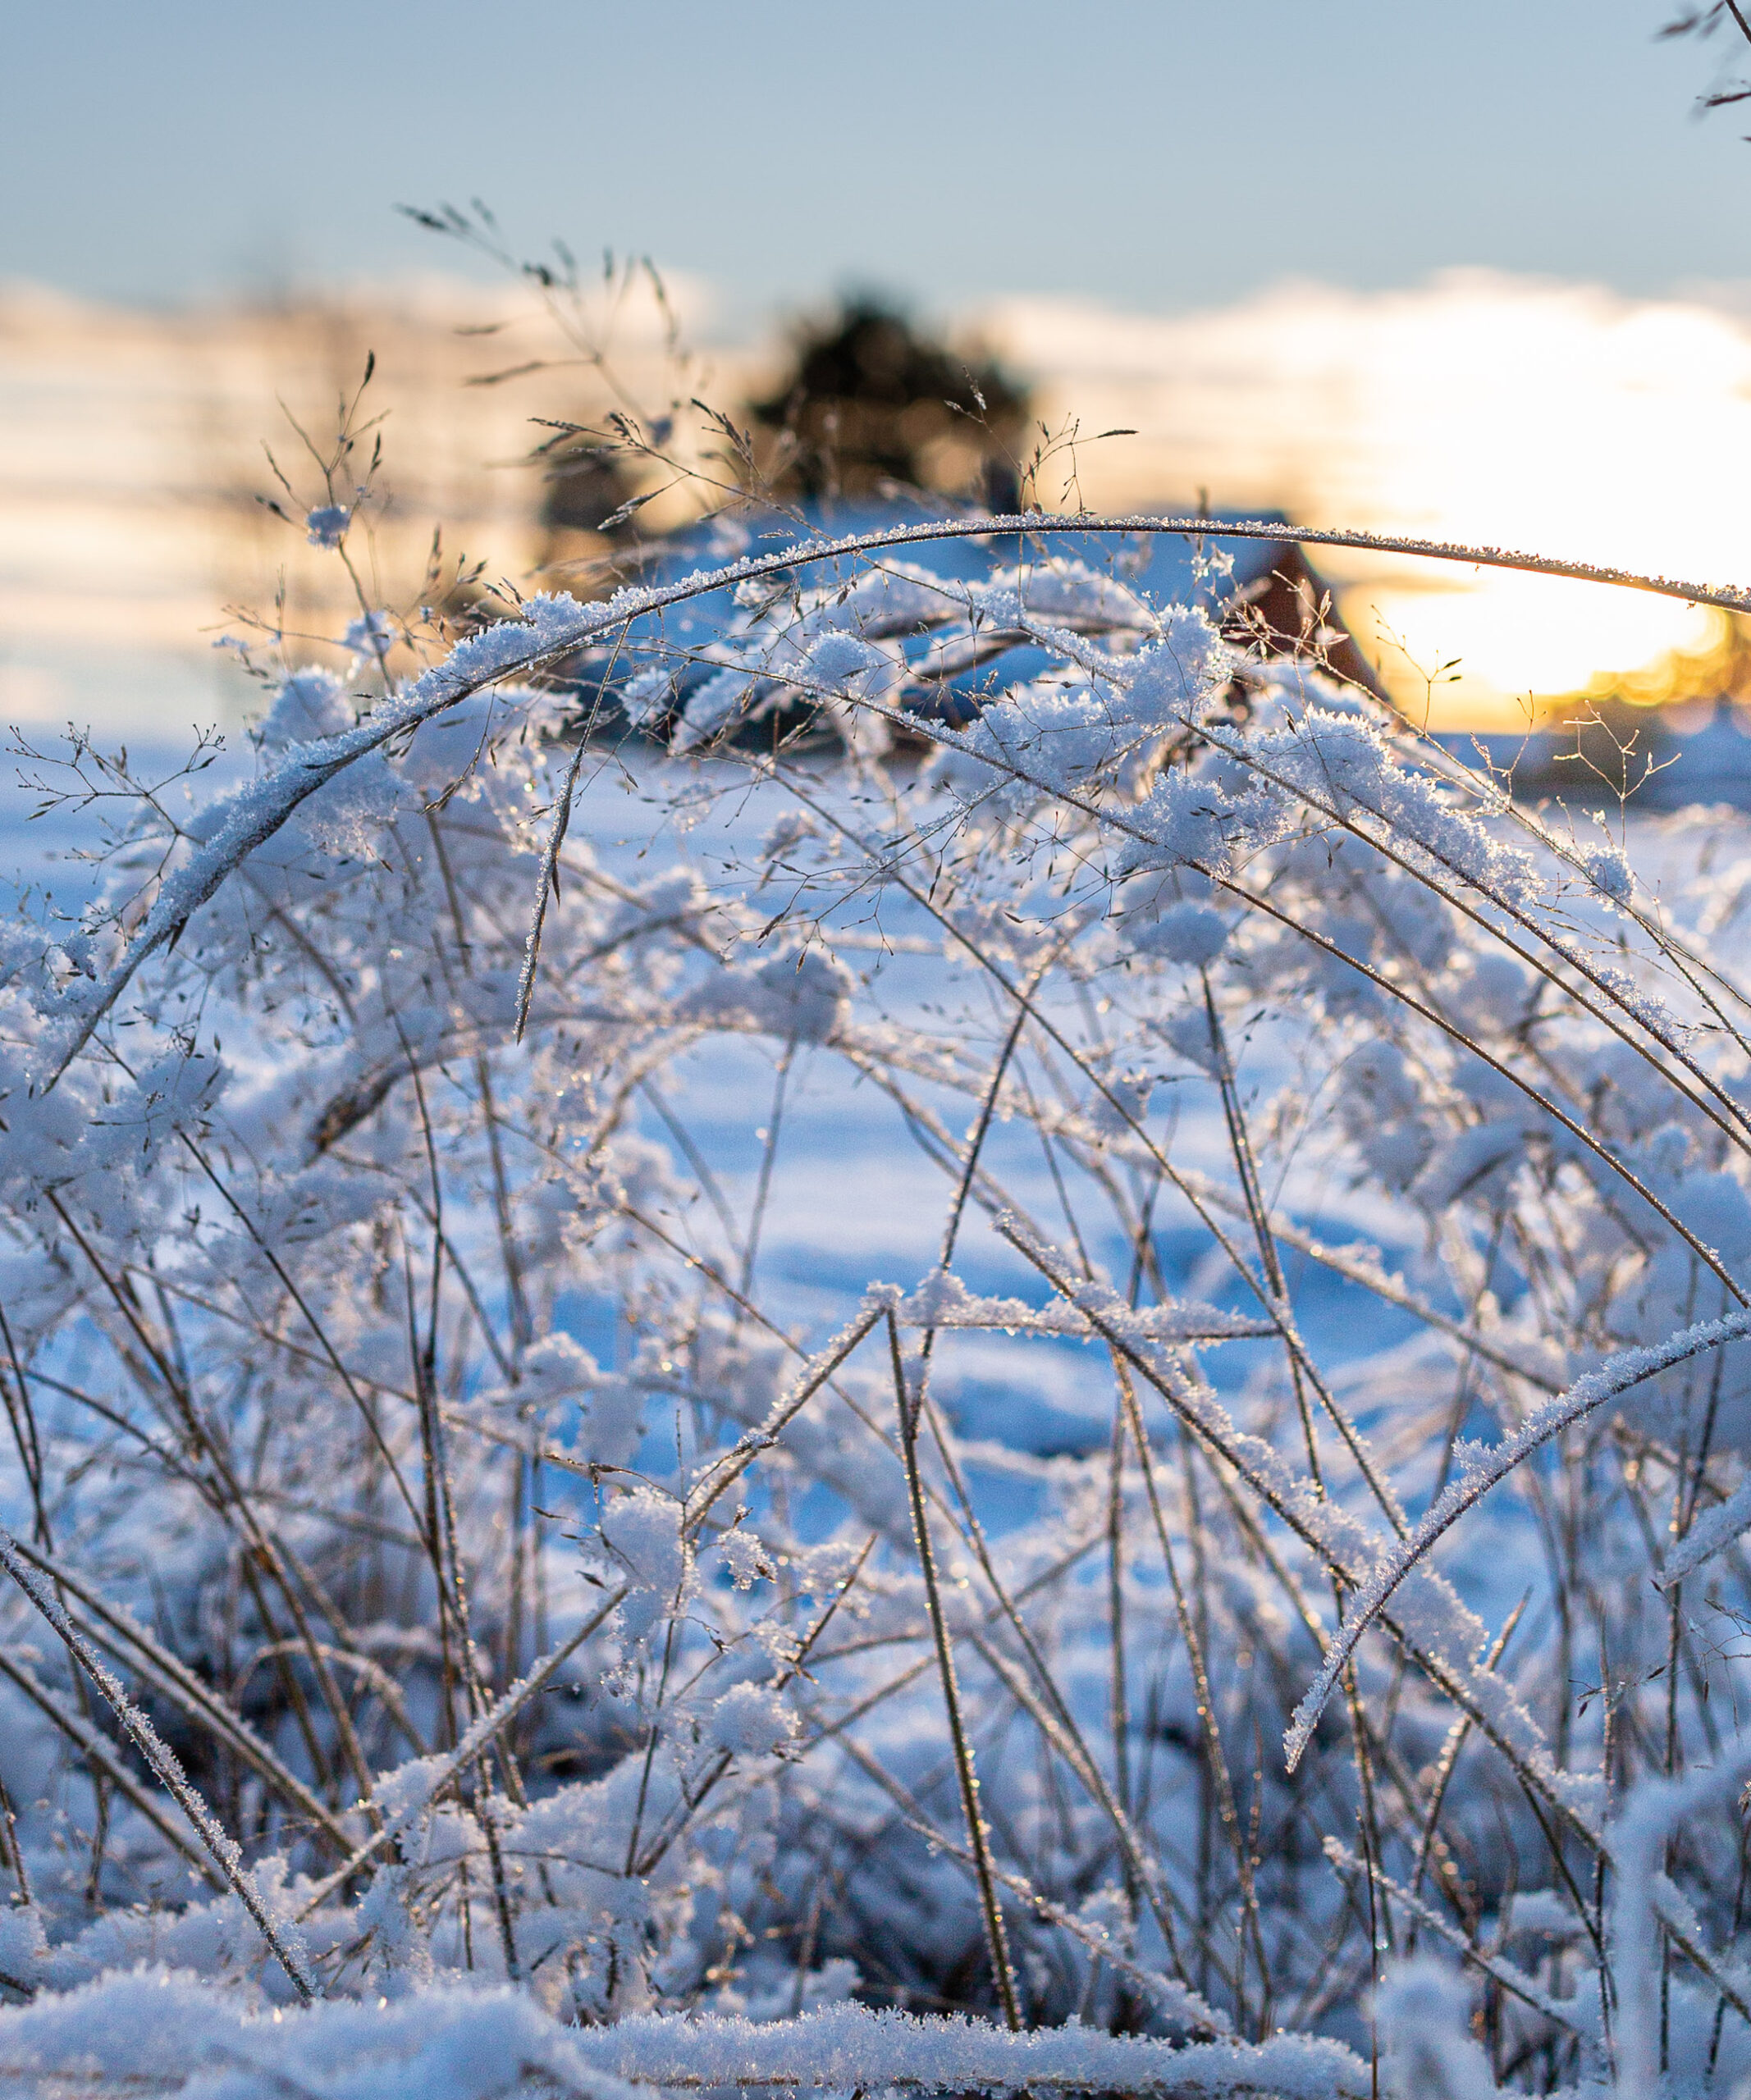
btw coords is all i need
(371, 631)
(327, 524)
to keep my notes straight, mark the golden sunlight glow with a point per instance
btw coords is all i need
(1556, 418)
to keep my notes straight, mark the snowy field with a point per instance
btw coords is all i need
(1056, 1386)
(852, 1195)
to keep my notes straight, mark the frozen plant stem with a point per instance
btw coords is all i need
(978, 1835)
(157, 1753)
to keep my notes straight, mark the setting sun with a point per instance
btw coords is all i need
(1560, 419)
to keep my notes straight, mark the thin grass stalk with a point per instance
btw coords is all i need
(474, 1745)
(1171, 1994)
(1634, 1368)
(1056, 1721)
(1098, 1084)
(15, 1851)
(447, 1568)
(174, 1681)
(977, 1833)
(1301, 1364)
(1214, 1750)
(317, 1328)
(371, 1672)
(273, 1558)
(1576, 1129)
(549, 877)
(796, 1668)
(21, 1416)
(1118, 1704)
(716, 1481)
(1059, 1727)
(223, 1850)
(1537, 1785)
(768, 1155)
(1429, 1842)
(101, 1755)
(1047, 1714)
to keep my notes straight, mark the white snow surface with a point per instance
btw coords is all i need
(1307, 1173)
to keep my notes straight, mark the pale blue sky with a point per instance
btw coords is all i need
(1154, 154)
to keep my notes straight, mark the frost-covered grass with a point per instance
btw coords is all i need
(670, 1415)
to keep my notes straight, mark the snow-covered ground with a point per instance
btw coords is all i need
(724, 1147)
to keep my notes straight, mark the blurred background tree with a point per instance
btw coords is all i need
(873, 407)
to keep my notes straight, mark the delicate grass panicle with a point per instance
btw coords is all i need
(829, 1399)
